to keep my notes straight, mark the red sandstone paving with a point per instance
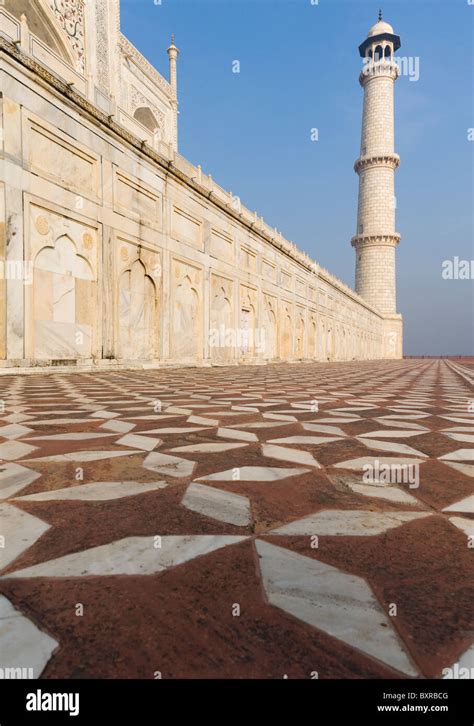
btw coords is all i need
(441, 486)
(183, 623)
(426, 569)
(179, 621)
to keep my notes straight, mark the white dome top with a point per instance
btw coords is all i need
(379, 28)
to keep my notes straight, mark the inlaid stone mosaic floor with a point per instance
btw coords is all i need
(300, 521)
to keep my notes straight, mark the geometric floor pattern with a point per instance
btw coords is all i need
(292, 520)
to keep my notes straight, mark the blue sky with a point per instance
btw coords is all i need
(299, 67)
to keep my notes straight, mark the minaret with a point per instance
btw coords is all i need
(376, 239)
(173, 53)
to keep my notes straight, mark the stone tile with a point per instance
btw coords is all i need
(363, 461)
(464, 524)
(167, 465)
(98, 491)
(280, 417)
(14, 478)
(178, 410)
(389, 494)
(69, 437)
(16, 418)
(467, 658)
(236, 434)
(130, 556)
(13, 450)
(411, 425)
(121, 427)
(258, 425)
(318, 428)
(339, 420)
(465, 505)
(389, 434)
(174, 430)
(202, 421)
(135, 441)
(390, 446)
(304, 440)
(254, 473)
(105, 414)
(458, 419)
(19, 531)
(22, 644)
(14, 431)
(459, 455)
(285, 454)
(404, 416)
(217, 504)
(85, 456)
(335, 602)
(206, 448)
(348, 523)
(463, 438)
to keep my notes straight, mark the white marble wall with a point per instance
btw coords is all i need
(135, 264)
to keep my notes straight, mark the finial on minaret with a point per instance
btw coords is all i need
(380, 14)
(172, 46)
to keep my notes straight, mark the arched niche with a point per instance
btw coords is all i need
(137, 314)
(270, 331)
(63, 303)
(145, 116)
(247, 327)
(286, 331)
(185, 340)
(222, 333)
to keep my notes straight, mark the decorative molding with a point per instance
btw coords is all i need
(131, 52)
(102, 47)
(391, 161)
(378, 69)
(70, 14)
(376, 240)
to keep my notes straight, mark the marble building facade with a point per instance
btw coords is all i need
(115, 251)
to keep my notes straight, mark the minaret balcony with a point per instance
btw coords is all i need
(376, 240)
(392, 161)
(376, 68)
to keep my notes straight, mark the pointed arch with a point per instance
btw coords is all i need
(137, 314)
(221, 345)
(145, 116)
(41, 23)
(63, 302)
(185, 331)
